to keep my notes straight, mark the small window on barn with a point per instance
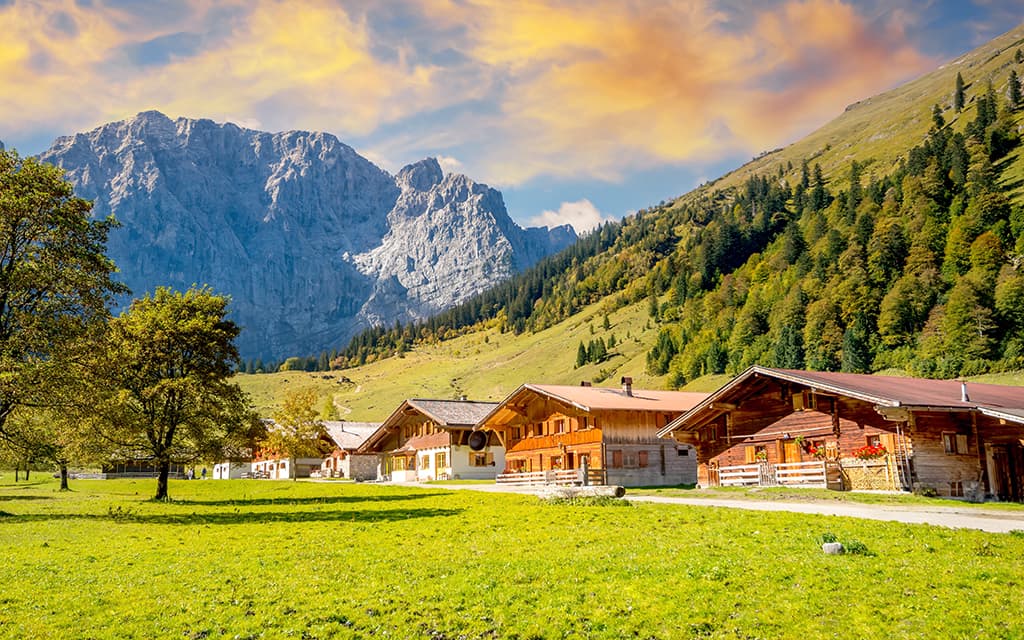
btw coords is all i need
(954, 444)
(682, 452)
(629, 460)
(641, 459)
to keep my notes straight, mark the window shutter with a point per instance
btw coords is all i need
(961, 443)
(750, 453)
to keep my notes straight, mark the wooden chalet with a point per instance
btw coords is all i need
(613, 432)
(344, 461)
(845, 430)
(434, 440)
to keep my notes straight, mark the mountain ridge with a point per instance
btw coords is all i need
(296, 226)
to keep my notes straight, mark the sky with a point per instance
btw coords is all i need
(578, 111)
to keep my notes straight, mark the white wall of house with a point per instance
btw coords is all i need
(231, 470)
(284, 468)
(467, 464)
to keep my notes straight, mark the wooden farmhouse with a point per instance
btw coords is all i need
(853, 431)
(552, 428)
(434, 440)
(343, 461)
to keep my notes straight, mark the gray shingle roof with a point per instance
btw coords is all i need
(453, 413)
(349, 435)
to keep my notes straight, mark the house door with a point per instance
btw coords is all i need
(570, 460)
(1004, 463)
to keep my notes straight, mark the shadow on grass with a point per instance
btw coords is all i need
(362, 516)
(256, 502)
(6, 498)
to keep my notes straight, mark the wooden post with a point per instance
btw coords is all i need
(585, 468)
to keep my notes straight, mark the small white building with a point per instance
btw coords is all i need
(231, 470)
(426, 440)
(284, 468)
(344, 461)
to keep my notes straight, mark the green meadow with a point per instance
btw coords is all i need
(266, 559)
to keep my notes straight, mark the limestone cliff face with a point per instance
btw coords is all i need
(311, 240)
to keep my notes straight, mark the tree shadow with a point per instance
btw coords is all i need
(7, 498)
(256, 502)
(239, 517)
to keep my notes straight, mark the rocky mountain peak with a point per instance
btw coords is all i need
(421, 175)
(312, 241)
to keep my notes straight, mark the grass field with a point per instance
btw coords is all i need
(250, 559)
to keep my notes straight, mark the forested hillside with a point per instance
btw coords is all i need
(911, 259)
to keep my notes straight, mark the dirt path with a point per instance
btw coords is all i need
(958, 518)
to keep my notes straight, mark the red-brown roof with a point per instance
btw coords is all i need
(890, 391)
(588, 399)
(607, 398)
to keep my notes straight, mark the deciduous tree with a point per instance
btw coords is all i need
(55, 280)
(297, 431)
(164, 387)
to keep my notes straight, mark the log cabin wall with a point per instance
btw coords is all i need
(935, 466)
(624, 443)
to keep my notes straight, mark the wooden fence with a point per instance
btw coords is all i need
(568, 477)
(787, 474)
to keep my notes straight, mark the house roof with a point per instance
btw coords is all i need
(448, 414)
(887, 391)
(589, 399)
(452, 413)
(349, 435)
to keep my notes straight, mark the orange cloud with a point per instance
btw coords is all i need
(610, 84)
(557, 87)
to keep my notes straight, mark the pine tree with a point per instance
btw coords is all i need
(1018, 56)
(1014, 91)
(606, 324)
(581, 355)
(937, 120)
(958, 94)
(856, 356)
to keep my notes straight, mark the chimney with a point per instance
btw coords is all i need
(627, 385)
(585, 383)
(963, 392)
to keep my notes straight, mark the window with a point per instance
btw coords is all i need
(954, 444)
(584, 422)
(440, 460)
(559, 426)
(629, 460)
(874, 441)
(641, 459)
(616, 459)
(682, 452)
(713, 433)
(482, 460)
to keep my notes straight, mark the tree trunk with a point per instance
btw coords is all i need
(161, 480)
(292, 470)
(26, 473)
(17, 469)
(64, 477)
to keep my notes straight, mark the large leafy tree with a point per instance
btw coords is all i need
(55, 284)
(165, 387)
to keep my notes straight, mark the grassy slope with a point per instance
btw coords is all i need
(877, 130)
(880, 129)
(248, 559)
(483, 366)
